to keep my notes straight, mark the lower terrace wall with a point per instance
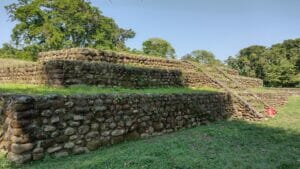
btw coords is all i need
(278, 96)
(35, 126)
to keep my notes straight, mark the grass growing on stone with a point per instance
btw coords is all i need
(83, 89)
(274, 143)
(272, 90)
(7, 62)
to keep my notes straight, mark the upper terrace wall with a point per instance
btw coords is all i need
(65, 73)
(36, 74)
(85, 54)
(80, 68)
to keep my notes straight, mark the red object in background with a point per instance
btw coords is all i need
(270, 111)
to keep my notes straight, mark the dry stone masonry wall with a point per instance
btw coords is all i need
(34, 126)
(86, 54)
(247, 82)
(278, 97)
(94, 67)
(67, 73)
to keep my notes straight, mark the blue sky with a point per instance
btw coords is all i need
(220, 26)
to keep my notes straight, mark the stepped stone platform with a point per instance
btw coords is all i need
(56, 125)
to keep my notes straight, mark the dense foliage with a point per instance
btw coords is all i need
(158, 47)
(56, 24)
(202, 56)
(278, 65)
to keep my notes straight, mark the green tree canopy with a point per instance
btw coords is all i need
(201, 56)
(158, 47)
(278, 65)
(56, 24)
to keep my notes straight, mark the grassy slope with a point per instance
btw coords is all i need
(269, 144)
(82, 89)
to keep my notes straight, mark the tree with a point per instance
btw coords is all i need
(250, 61)
(232, 62)
(27, 53)
(201, 56)
(56, 24)
(158, 47)
(277, 65)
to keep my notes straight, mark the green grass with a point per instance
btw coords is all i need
(88, 90)
(274, 143)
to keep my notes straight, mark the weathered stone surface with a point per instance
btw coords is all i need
(46, 113)
(105, 133)
(69, 104)
(83, 129)
(38, 153)
(17, 131)
(69, 145)
(93, 145)
(21, 148)
(100, 108)
(61, 139)
(117, 132)
(19, 159)
(54, 149)
(38, 150)
(74, 123)
(70, 131)
(38, 156)
(80, 150)
(48, 128)
(78, 117)
(25, 114)
(54, 119)
(61, 154)
(73, 137)
(132, 135)
(95, 126)
(20, 140)
(19, 123)
(92, 134)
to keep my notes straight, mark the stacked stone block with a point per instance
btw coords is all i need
(35, 126)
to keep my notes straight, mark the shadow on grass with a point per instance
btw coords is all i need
(226, 144)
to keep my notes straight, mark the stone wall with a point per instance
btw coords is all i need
(34, 126)
(276, 97)
(28, 73)
(86, 54)
(247, 82)
(65, 73)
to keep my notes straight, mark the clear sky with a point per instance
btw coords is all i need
(220, 26)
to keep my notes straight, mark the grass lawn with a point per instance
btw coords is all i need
(83, 89)
(274, 143)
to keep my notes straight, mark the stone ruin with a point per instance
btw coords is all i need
(34, 126)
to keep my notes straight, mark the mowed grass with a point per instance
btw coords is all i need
(88, 90)
(274, 143)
